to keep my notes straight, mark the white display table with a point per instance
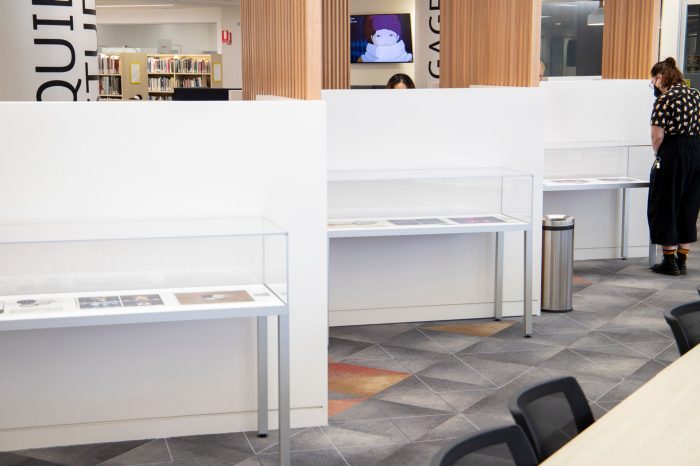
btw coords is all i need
(72, 300)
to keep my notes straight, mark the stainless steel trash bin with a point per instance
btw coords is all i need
(557, 263)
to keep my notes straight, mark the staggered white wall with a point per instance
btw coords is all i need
(191, 38)
(108, 161)
(614, 112)
(430, 278)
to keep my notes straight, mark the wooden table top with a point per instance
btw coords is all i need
(659, 424)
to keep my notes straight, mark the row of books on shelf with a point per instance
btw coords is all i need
(161, 84)
(109, 64)
(110, 85)
(160, 97)
(190, 82)
(177, 65)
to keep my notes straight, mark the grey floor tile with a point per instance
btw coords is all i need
(415, 361)
(558, 324)
(13, 459)
(415, 454)
(374, 352)
(498, 345)
(358, 433)
(602, 303)
(498, 372)
(369, 333)
(429, 428)
(463, 400)
(452, 375)
(616, 358)
(647, 371)
(650, 349)
(154, 452)
(306, 458)
(608, 405)
(339, 348)
(620, 391)
(634, 335)
(668, 355)
(210, 449)
(413, 405)
(668, 299)
(367, 409)
(593, 339)
(415, 340)
(310, 438)
(589, 319)
(643, 315)
(79, 455)
(452, 342)
(569, 363)
(410, 386)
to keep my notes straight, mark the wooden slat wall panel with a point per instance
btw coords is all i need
(490, 42)
(282, 53)
(336, 44)
(630, 38)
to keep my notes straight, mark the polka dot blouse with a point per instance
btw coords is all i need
(678, 111)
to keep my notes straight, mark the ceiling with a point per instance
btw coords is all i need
(168, 3)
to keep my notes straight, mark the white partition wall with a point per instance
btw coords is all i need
(378, 280)
(599, 128)
(65, 162)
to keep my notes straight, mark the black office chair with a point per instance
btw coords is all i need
(685, 323)
(551, 414)
(495, 447)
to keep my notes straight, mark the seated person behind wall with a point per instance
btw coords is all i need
(400, 81)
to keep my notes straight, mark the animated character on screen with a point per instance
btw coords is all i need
(385, 44)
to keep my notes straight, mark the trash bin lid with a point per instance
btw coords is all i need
(557, 221)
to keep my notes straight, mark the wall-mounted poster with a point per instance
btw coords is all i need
(135, 73)
(381, 39)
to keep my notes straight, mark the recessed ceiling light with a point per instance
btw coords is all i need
(157, 5)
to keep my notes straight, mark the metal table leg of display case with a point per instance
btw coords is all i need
(527, 294)
(284, 381)
(498, 289)
(652, 255)
(624, 242)
(262, 378)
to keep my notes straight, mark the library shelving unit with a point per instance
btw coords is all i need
(122, 76)
(155, 76)
(168, 71)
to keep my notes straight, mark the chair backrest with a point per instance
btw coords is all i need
(685, 324)
(551, 414)
(501, 446)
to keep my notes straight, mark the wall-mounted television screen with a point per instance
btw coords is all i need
(381, 39)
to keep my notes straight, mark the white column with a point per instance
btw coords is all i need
(49, 50)
(427, 44)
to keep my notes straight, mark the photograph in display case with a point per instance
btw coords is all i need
(621, 179)
(141, 300)
(474, 220)
(571, 181)
(355, 223)
(33, 305)
(99, 302)
(214, 297)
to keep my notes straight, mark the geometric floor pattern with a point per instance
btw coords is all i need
(399, 392)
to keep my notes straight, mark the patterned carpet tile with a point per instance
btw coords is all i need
(480, 329)
(360, 380)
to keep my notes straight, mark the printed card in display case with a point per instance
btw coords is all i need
(141, 300)
(214, 297)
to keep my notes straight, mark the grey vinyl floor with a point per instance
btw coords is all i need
(441, 382)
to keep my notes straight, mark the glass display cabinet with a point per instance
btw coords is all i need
(388, 203)
(603, 165)
(110, 273)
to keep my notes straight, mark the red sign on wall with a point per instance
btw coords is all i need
(226, 37)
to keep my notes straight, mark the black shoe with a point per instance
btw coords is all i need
(668, 266)
(681, 260)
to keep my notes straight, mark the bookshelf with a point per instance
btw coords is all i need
(155, 76)
(168, 71)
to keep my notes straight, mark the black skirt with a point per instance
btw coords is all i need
(674, 192)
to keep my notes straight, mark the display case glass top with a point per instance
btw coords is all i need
(73, 274)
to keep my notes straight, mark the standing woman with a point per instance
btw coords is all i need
(674, 192)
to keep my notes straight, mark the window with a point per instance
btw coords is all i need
(570, 46)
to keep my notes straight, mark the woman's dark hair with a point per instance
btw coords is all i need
(670, 72)
(400, 78)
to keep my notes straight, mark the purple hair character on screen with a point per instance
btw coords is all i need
(384, 40)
